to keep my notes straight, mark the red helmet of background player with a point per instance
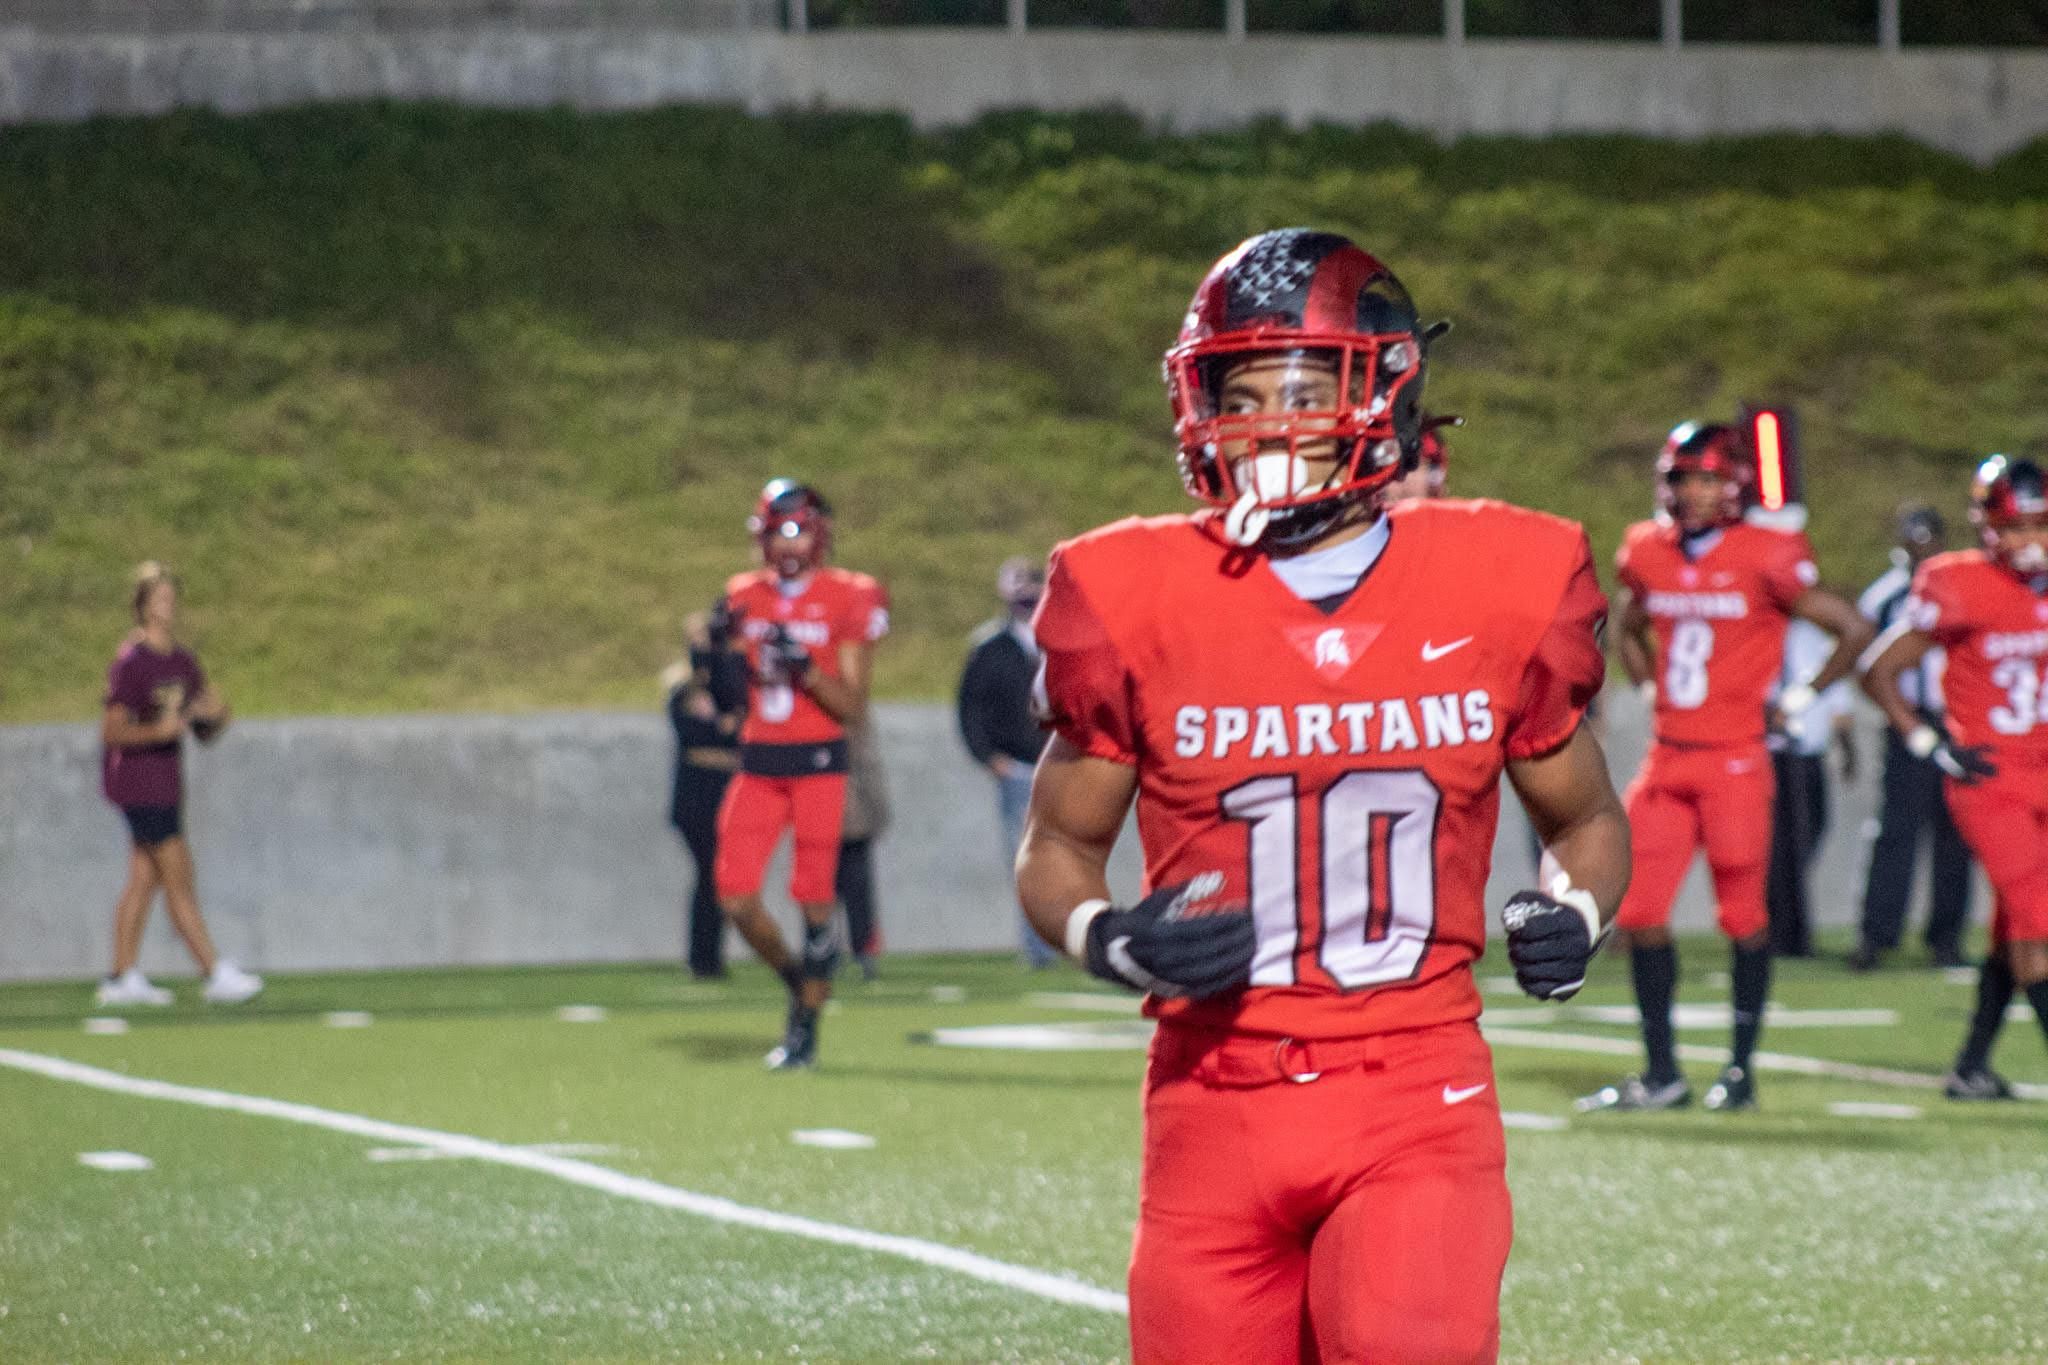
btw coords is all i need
(1434, 454)
(1705, 448)
(2008, 495)
(1292, 292)
(785, 510)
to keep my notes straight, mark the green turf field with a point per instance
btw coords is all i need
(1796, 1233)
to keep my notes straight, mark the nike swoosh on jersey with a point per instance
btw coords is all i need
(1432, 652)
(1460, 1096)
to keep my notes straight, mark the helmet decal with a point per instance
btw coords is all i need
(1287, 472)
(785, 510)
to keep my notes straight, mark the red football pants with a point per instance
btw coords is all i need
(751, 819)
(2004, 820)
(1359, 1216)
(1685, 799)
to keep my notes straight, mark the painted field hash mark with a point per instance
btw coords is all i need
(1057, 1288)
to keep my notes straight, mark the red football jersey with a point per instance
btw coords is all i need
(1341, 770)
(1995, 629)
(835, 607)
(1720, 624)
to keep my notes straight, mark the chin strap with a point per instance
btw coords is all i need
(1246, 521)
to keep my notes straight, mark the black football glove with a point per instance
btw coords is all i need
(722, 625)
(785, 654)
(1551, 940)
(1965, 763)
(1157, 947)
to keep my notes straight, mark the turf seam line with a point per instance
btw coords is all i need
(1041, 1283)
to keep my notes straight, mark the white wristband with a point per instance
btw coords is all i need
(1797, 699)
(1922, 741)
(1647, 690)
(1078, 920)
(1559, 883)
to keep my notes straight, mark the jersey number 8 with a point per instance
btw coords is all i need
(1685, 671)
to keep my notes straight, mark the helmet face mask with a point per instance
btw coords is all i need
(2009, 508)
(792, 527)
(1703, 448)
(1296, 387)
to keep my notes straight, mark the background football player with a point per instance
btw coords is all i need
(808, 631)
(1312, 702)
(1431, 475)
(1702, 633)
(1989, 608)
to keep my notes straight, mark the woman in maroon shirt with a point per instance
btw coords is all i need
(156, 691)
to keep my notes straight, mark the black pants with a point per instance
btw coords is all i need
(695, 816)
(1799, 816)
(1913, 800)
(856, 888)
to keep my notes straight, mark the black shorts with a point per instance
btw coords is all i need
(151, 825)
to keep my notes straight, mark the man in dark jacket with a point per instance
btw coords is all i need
(995, 714)
(707, 696)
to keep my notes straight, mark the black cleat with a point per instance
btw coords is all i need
(1866, 958)
(1637, 1095)
(1981, 1084)
(799, 1047)
(1735, 1089)
(1948, 956)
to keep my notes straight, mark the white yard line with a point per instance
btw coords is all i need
(1057, 1288)
(1765, 1061)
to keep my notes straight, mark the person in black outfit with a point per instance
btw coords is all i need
(996, 723)
(867, 815)
(1913, 798)
(707, 697)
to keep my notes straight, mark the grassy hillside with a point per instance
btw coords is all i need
(445, 408)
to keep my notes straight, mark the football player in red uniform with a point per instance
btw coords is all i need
(808, 632)
(1702, 634)
(1432, 464)
(1311, 700)
(1989, 609)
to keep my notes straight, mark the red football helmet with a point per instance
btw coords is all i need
(2009, 495)
(1710, 448)
(1314, 297)
(785, 510)
(1434, 454)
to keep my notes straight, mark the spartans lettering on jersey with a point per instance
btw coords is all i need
(2026, 644)
(1697, 606)
(816, 634)
(1353, 727)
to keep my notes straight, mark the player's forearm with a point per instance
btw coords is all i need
(1881, 685)
(1849, 647)
(1594, 852)
(1055, 874)
(841, 700)
(1636, 659)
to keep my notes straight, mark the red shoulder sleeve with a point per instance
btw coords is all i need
(1789, 567)
(1935, 606)
(867, 611)
(1624, 563)
(1567, 668)
(1084, 689)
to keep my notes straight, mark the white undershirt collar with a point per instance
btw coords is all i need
(1317, 574)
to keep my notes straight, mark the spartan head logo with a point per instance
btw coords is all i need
(1331, 649)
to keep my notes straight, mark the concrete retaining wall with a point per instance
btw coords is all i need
(426, 840)
(1979, 104)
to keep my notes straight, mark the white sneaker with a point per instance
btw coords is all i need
(131, 988)
(230, 985)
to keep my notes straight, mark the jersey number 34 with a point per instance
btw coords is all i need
(1370, 838)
